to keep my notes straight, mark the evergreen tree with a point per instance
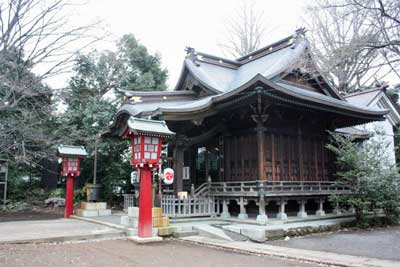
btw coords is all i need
(366, 169)
(93, 98)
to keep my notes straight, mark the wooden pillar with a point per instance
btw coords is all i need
(192, 160)
(260, 151)
(273, 163)
(206, 164)
(260, 120)
(242, 149)
(228, 158)
(221, 159)
(281, 160)
(179, 156)
(290, 147)
(315, 141)
(323, 161)
(300, 144)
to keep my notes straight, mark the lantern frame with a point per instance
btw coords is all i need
(146, 140)
(71, 159)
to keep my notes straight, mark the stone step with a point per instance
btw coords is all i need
(92, 213)
(212, 232)
(179, 234)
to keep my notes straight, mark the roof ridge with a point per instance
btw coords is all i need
(269, 49)
(364, 92)
(298, 33)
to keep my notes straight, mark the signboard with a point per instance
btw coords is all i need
(134, 177)
(186, 173)
(168, 175)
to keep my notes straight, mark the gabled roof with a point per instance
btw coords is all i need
(229, 81)
(377, 98)
(220, 75)
(363, 98)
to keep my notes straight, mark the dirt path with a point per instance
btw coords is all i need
(123, 253)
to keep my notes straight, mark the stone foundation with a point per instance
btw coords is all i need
(93, 209)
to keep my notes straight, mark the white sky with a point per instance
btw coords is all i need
(169, 26)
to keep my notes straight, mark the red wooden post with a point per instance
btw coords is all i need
(69, 196)
(145, 203)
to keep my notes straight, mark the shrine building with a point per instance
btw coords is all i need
(251, 133)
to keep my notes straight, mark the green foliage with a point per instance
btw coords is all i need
(93, 98)
(367, 170)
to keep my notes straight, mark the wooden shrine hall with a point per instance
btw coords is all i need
(250, 133)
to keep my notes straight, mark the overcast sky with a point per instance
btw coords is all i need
(169, 26)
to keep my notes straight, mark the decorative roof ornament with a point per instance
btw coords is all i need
(300, 32)
(191, 54)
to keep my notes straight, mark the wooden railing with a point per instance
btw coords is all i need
(202, 200)
(271, 188)
(129, 201)
(188, 207)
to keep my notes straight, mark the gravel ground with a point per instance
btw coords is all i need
(382, 243)
(121, 253)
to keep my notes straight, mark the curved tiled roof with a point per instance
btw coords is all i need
(225, 79)
(288, 90)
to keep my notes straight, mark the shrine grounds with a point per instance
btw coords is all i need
(124, 253)
(373, 247)
(381, 243)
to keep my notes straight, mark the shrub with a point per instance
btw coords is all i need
(367, 170)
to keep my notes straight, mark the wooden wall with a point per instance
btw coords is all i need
(288, 157)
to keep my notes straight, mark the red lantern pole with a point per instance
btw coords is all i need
(69, 196)
(145, 203)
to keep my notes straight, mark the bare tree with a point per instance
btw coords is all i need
(354, 46)
(384, 16)
(338, 40)
(244, 30)
(37, 41)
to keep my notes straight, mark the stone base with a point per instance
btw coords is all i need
(160, 222)
(144, 240)
(255, 235)
(320, 213)
(225, 215)
(302, 214)
(94, 205)
(157, 212)
(104, 212)
(262, 218)
(282, 216)
(129, 221)
(166, 231)
(93, 209)
(133, 212)
(92, 213)
(243, 216)
(134, 232)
